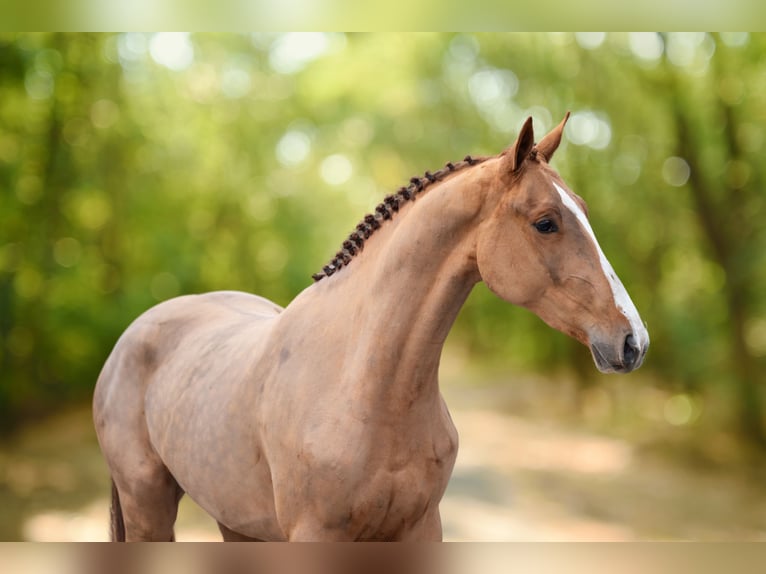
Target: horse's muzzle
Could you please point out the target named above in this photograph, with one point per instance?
(624, 357)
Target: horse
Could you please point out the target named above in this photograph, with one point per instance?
(323, 420)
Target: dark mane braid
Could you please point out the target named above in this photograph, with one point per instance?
(354, 243)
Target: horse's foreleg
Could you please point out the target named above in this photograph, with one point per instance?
(427, 529)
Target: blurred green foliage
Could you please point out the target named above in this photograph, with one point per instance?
(137, 167)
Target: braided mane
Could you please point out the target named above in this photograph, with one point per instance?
(384, 211)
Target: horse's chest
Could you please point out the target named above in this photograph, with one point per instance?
(402, 500)
(358, 478)
(382, 494)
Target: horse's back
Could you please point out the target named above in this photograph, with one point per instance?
(211, 308)
(164, 328)
(234, 301)
(176, 335)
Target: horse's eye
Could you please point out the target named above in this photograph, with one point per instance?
(546, 226)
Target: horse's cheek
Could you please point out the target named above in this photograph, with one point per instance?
(499, 259)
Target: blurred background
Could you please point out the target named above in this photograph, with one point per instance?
(137, 167)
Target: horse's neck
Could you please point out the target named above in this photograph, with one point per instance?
(403, 293)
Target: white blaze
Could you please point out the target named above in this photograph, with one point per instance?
(621, 298)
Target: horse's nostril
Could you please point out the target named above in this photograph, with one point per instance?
(630, 351)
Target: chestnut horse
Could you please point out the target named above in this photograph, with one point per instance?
(324, 420)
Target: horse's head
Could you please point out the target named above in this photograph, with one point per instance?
(538, 250)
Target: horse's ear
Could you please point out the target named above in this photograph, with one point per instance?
(521, 147)
(550, 143)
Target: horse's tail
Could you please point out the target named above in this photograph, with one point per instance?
(117, 524)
